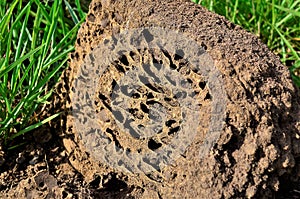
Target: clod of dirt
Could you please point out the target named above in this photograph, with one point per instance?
(42, 185)
(259, 142)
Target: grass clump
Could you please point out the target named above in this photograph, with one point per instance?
(35, 39)
(275, 22)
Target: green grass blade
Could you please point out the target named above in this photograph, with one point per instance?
(49, 76)
(291, 11)
(72, 13)
(5, 20)
(235, 10)
(43, 10)
(78, 5)
(19, 61)
(63, 41)
(58, 57)
(54, 19)
(34, 126)
(36, 25)
(287, 43)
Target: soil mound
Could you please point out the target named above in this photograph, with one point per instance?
(259, 138)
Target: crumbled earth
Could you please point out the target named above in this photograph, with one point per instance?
(256, 156)
(41, 169)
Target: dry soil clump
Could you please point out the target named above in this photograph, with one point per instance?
(259, 140)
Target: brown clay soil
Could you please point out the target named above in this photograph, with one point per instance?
(256, 156)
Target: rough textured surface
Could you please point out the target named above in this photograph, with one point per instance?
(257, 153)
(260, 140)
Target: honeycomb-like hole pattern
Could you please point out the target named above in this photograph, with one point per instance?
(145, 97)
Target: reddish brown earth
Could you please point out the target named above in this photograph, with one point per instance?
(256, 156)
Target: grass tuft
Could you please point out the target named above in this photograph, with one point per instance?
(35, 39)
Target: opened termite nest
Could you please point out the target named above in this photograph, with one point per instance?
(138, 109)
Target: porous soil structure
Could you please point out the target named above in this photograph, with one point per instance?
(191, 106)
(259, 138)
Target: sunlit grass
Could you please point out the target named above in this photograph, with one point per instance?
(35, 39)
